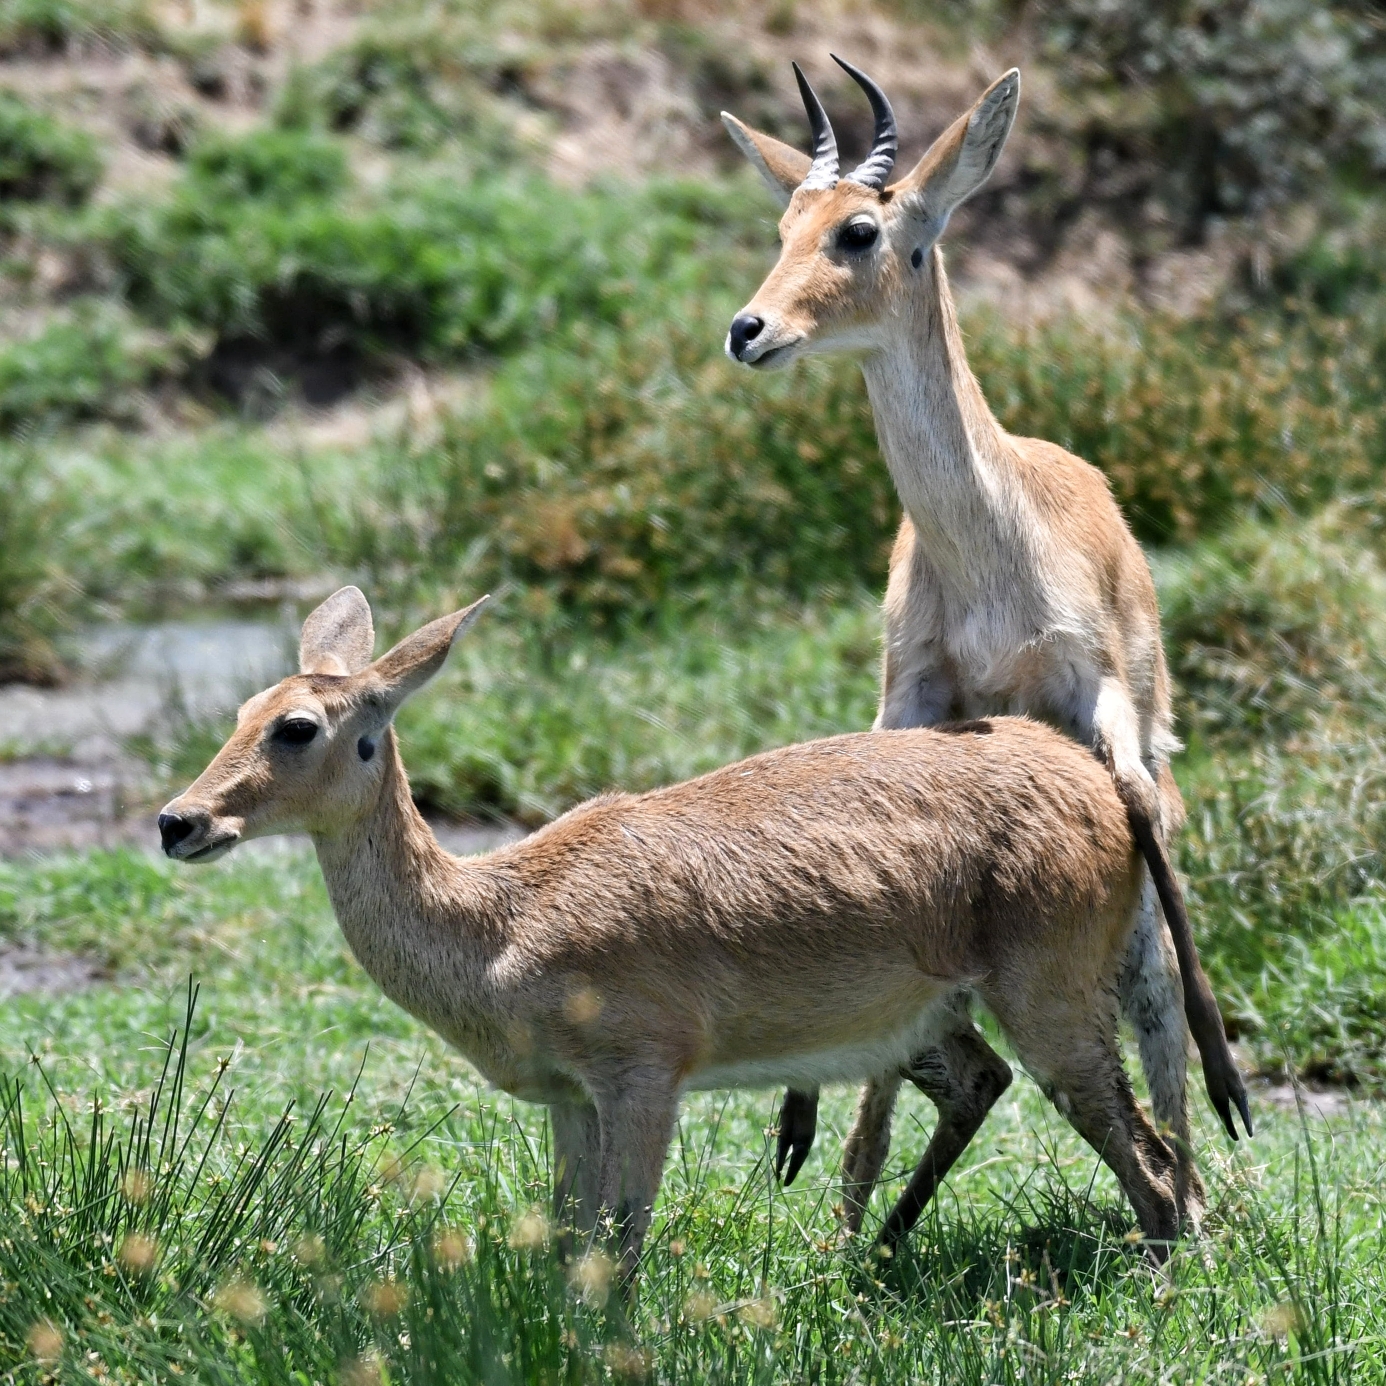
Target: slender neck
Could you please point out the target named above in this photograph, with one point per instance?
(952, 463)
(411, 912)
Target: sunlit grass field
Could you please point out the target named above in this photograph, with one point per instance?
(300, 1184)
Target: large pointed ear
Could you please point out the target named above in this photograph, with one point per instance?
(418, 657)
(962, 158)
(338, 638)
(781, 165)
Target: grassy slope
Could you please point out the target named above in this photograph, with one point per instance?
(1025, 1273)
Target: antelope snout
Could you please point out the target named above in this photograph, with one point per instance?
(762, 342)
(745, 328)
(173, 829)
(187, 833)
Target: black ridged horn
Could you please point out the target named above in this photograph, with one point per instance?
(873, 171)
(823, 171)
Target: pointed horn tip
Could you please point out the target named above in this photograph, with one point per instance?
(873, 171)
(823, 172)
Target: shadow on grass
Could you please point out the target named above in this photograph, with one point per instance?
(1043, 1247)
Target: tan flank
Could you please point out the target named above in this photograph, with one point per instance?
(1015, 584)
(814, 914)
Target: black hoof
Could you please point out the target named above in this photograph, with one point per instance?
(798, 1126)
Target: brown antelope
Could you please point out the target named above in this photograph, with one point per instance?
(813, 914)
(1015, 585)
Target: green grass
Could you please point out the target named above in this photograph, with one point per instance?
(164, 1218)
(35, 590)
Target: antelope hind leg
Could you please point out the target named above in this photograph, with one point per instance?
(1220, 1073)
(1073, 1054)
(1115, 735)
(576, 1166)
(1091, 1089)
(867, 1146)
(963, 1077)
(636, 1128)
(1152, 999)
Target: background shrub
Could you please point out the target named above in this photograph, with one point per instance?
(90, 362)
(1190, 112)
(37, 27)
(43, 159)
(35, 589)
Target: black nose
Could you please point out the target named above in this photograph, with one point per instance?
(173, 828)
(746, 327)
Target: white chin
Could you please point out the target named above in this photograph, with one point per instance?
(775, 358)
(209, 854)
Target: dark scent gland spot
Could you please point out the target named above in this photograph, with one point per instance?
(917, 258)
(365, 748)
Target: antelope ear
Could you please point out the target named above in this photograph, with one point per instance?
(781, 165)
(418, 657)
(338, 638)
(962, 158)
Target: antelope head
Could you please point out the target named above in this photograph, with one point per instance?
(851, 245)
(303, 755)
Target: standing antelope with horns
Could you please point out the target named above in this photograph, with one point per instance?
(1015, 585)
(807, 915)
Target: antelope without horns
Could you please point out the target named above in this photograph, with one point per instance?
(816, 913)
(1015, 584)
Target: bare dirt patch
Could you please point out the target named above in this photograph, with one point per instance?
(25, 970)
(70, 782)
(49, 804)
(1318, 1102)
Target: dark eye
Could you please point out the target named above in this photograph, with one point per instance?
(858, 235)
(297, 731)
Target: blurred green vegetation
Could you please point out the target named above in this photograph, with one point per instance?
(43, 159)
(1181, 116)
(37, 27)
